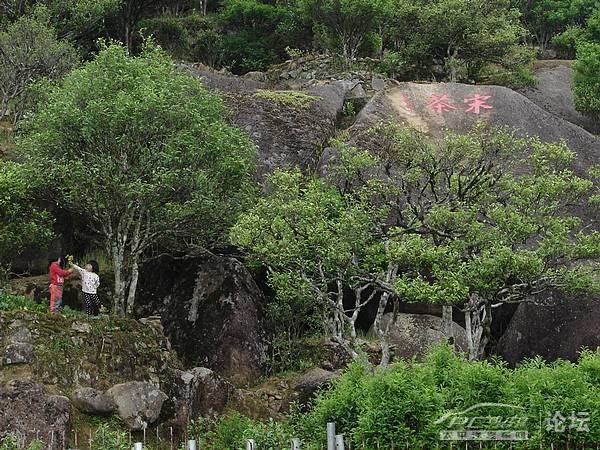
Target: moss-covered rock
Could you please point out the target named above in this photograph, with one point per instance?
(76, 351)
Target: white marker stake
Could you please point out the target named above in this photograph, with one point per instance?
(191, 444)
(250, 444)
(295, 444)
(339, 442)
(138, 446)
(331, 436)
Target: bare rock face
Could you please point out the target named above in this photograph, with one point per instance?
(28, 412)
(17, 345)
(554, 94)
(138, 403)
(199, 392)
(413, 334)
(287, 132)
(431, 108)
(92, 401)
(209, 308)
(558, 329)
(274, 397)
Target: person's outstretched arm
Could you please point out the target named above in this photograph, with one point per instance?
(62, 272)
(79, 269)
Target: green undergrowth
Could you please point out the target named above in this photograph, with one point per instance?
(401, 406)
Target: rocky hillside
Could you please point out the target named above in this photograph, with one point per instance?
(554, 94)
(62, 377)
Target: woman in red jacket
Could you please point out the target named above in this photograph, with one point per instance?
(57, 281)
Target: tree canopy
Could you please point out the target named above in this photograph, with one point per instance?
(144, 153)
(447, 222)
(22, 223)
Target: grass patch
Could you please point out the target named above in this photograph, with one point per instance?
(287, 98)
(519, 77)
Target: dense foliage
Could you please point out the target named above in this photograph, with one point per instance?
(447, 221)
(22, 224)
(400, 406)
(586, 80)
(143, 152)
(30, 51)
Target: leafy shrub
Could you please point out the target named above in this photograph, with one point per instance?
(169, 32)
(586, 79)
(256, 33)
(9, 443)
(566, 42)
(245, 52)
(512, 78)
(348, 110)
(232, 431)
(401, 404)
(14, 302)
(393, 64)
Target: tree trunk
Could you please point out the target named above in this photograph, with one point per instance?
(447, 323)
(119, 292)
(133, 286)
(379, 330)
(478, 321)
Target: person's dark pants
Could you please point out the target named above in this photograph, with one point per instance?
(91, 304)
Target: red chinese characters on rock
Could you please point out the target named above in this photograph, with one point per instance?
(476, 102)
(440, 103)
(407, 103)
(443, 103)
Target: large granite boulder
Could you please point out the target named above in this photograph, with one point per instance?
(554, 94)
(286, 131)
(139, 404)
(209, 307)
(198, 392)
(413, 334)
(94, 402)
(68, 353)
(558, 328)
(434, 107)
(28, 412)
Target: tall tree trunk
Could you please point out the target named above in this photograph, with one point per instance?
(478, 321)
(133, 285)
(447, 328)
(117, 252)
(380, 331)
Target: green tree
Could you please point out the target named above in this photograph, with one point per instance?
(30, 51)
(143, 152)
(344, 25)
(436, 221)
(313, 239)
(586, 79)
(256, 33)
(485, 223)
(77, 20)
(22, 224)
(466, 34)
(546, 18)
